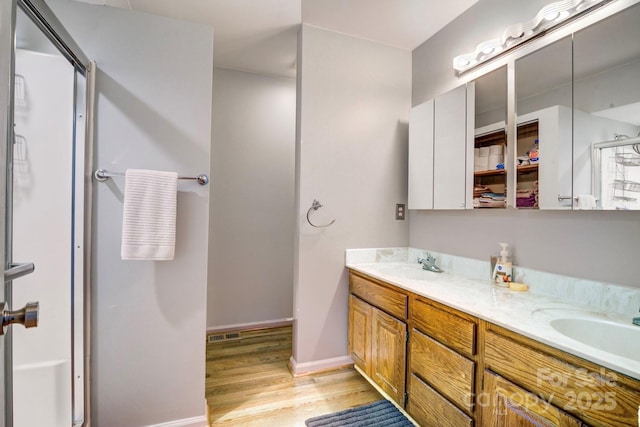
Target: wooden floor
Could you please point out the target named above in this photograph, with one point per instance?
(248, 384)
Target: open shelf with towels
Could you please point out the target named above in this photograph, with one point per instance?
(527, 177)
(489, 182)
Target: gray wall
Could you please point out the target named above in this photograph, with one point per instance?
(354, 101)
(594, 245)
(153, 111)
(252, 199)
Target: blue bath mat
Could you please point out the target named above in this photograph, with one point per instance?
(377, 414)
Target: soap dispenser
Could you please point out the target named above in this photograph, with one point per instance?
(503, 270)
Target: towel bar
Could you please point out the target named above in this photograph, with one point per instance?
(102, 175)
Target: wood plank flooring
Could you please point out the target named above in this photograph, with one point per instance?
(248, 384)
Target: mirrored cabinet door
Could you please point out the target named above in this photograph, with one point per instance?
(607, 113)
(544, 131)
(449, 146)
(490, 140)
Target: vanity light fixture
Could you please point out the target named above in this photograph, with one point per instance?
(548, 17)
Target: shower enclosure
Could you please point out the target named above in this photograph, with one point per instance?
(44, 134)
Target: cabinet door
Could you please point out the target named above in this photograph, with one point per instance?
(421, 156)
(551, 127)
(545, 98)
(506, 405)
(388, 353)
(450, 154)
(359, 345)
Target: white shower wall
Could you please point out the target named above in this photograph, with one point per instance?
(42, 224)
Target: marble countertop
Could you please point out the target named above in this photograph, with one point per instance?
(522, 312)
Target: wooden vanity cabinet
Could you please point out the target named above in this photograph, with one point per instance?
(378, 333)
(560, 381)
(462, 371)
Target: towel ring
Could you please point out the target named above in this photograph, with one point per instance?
(315, 206)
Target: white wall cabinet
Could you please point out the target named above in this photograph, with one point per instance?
(449, 146)
(421, 123)
(438, 138)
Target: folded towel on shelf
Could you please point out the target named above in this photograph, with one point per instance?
(479, 189)
(492, 196)
(524, 193)
(526, 203)
(149, 215)
(530, 201)
(489, 203)
(490, 200)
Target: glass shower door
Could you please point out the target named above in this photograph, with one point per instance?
(43, 227)
(42, 183)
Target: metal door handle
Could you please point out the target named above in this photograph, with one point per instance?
(27, 316)
(18, 270)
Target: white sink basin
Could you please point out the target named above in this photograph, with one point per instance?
(615, 338)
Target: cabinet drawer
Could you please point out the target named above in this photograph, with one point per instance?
(450, 329)
(444, 369)
(505, 404)
(598, 396)
(393, 302)
(428, 408)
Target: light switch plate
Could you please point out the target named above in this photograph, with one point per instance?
(400, 211)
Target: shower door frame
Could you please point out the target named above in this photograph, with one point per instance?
(7, 38)
(84, 73)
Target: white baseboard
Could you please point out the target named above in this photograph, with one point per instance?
(275, 323)
(186, 422)
(305, 368)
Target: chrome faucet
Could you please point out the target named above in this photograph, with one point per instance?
(636, 321)
(429, 263)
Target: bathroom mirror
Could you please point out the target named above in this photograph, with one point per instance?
(544, 127)
(490, 140)
(607, 113)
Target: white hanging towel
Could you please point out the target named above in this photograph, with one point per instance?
(149, 216)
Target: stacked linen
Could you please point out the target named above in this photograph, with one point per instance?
(478, 191)
(527, 198)
(491, 200)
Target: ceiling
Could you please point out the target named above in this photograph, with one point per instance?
(260, 35)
